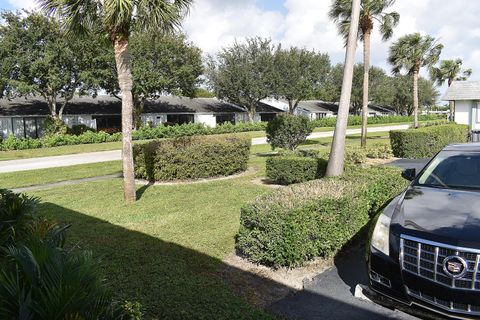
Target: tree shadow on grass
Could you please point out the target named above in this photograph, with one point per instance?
(174, 282)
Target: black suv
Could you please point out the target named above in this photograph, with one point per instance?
(425, 246)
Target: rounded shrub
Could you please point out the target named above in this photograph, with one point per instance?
(288, 131)
(190, 158)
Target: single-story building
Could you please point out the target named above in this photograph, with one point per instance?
(24, 117)
(317, 109)
(466, 98)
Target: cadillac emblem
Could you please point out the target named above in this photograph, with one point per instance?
(455, 267)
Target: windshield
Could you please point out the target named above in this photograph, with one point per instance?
(452, 169)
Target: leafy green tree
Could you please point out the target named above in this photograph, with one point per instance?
(371, 10)
(402, 101)
(412, 52)
(299, 74)
(162, 63)
(450, 70)
(37, 59)
(203, 93)
(117, 19)
(243, 73)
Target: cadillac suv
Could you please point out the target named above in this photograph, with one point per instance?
(424, 248)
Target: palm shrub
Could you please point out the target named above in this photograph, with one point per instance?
(288, 131)
(39, 279)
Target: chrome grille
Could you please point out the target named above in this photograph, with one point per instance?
(425, 259)
(452, 306)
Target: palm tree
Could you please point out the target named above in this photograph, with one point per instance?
(116, 19)
(337, 155)
(412, 52)
(371, 11)
(450, 70)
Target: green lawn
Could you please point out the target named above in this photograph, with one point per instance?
(166, 250)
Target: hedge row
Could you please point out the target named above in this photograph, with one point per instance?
(357, 120)
(426, 142)
(191, 158)
(292, 169)
(314, 219)
(184, 130)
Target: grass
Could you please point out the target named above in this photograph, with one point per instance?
(44, 176)
(83, 148)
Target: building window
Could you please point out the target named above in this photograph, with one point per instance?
(180, 118)
(225, 118)
(267, 117)
(321, 115)
(30, 127)
(110, 124)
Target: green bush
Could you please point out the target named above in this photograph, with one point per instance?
(291, 169)
(191, 158)
(379, 152)
(54, 126)
(290, 226)
(426, 142)
(288, 131)
(357, 120)
(79, 129)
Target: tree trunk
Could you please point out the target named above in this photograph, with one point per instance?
(415, 98)
(366, 79)
(125, 81)
(337, 155)
(252, 110)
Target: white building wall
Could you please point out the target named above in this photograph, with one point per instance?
(463, 110)
(155, 119)
(207, 119)
(80, 119)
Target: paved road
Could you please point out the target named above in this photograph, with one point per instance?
(104, 156)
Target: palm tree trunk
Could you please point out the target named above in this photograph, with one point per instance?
(125, 81)
(366, 70)
(336, 162)
(415, 98)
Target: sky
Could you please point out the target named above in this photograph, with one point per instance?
(213, 24)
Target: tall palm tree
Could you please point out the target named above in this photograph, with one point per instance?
(412, 52)
(116, 19)
(450, 70)
(336, 162)
(371, 11)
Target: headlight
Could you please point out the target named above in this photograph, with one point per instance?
(381, 234)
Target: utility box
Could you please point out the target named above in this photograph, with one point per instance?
(475, 136)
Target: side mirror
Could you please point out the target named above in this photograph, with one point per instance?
(409, 174)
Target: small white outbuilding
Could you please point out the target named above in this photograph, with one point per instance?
(466, 97)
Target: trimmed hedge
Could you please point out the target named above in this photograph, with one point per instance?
(292, 169)
(191, 158)
(357, 120)
(290, 226)
(426, 142)
(288, 131)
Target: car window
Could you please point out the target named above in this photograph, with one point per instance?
(452, 169)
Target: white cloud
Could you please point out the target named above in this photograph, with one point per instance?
(23, 4)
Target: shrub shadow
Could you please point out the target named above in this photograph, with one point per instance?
(175, 282)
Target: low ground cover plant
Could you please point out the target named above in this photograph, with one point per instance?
(190, 158)
(427, 141)
(39, 278)
(292, 225)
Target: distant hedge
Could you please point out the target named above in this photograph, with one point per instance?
(288, 227)
(426, 142)
(291, 169)
(191, 158)
(185, 130)
(357, 120)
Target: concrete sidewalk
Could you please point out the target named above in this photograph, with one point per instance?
(104, 156)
